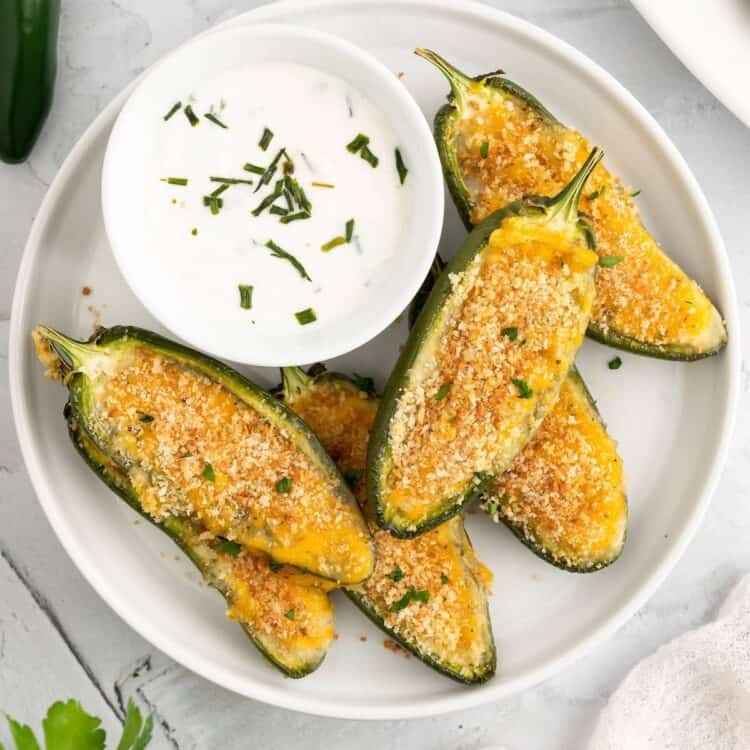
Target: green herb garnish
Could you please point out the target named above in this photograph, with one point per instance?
(357, 143)
(192, 117)
(186, 454)
(254, 168)
(219, 190)
(443, 391)
(412, 595)
(364, 383)
(306, 316)
(396, 574)
(246, 296)
(275, 566)
(290, 615)
(208, 472)
(194, 231)
(265, 139)
(614, 364)
(635, 193)
(349, 232)
(228, 546)
(596, 193)
(484, 149)
(610, 260)
(299, 216)
(352, 476)
(444, 579)
(145, 418)
(368, 156)
(214, 203)
(270, 170)
(510, 332)
(175, 181)
(215, 120)
(401, 167)
(231, 180)
(284, 485)
(279, 252)
(175, 107)
(268, 200)
(523, 389)
(492, 507)
(278, 210)
(335, 242)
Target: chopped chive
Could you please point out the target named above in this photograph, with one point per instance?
(279, 252)
(610, 260)
(265, 139)
(288, 199)
(175, 107)
(364, 383)
(322, 184)
(368, 156)
(215, 120)
(194, 231)
(211, 200)
(145, 418)
(268, 200)
(208, 472)
(306, 316)
(219, 190)
(396, 574)
(270, 170)
(289, 218)
(349, 233)
(510, 332)
(278, 210)
(412, 595)
(352, 476)
(335, 242)
(192, 117)
(523, 388)
(484, 149)
(614, 364)
(231, 180)
(284, 485)
(290, 614)
(401, 167)
(275, 566)
(228, 546)
(254, 168)
(293, 187)
(186, 454)
(175, 181)
(357, 143)
(492, 507)
(443, 391)
(596, 193)
(635, 193)
(444, 579)
(246, 296)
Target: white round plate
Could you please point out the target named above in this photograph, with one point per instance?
(672, 421)
(712, 39)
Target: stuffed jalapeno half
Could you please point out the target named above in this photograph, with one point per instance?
(427, 593)
(289, 619)
(564, 496)
(498, 143)
(484, 361)
(199, 441)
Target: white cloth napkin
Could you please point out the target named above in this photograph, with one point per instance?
(692, 694)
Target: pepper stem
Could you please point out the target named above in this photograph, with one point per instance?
(295, 382)
(458, 80)
(565, 204)
(72, 355)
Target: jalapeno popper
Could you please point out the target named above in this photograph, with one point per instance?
(564, 496)
(498, 143)
(287, 615)
(427, 593)
(199, 441)
(485, 360)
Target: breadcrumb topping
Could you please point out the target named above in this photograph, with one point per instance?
(565, 493)
(429, 590)
(191, 448)
(645, 296)
(475, 395)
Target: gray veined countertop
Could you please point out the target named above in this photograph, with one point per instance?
(58, 639)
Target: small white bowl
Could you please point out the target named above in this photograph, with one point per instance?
(128, 174)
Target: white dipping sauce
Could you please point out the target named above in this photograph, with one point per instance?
(313, 115)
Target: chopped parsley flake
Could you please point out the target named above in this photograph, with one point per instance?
(291, 614)
(275, 566)
(228, 546)
(523, 389)
(208, 472)
(412, 595)
(443, 391)
(396, 574)
(614, 364)
(484, 149)
(284, 485)
(511, 332)
(609, 260)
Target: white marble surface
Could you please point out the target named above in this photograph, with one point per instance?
(58, 639)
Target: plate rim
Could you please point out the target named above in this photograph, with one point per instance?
(462, 699)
